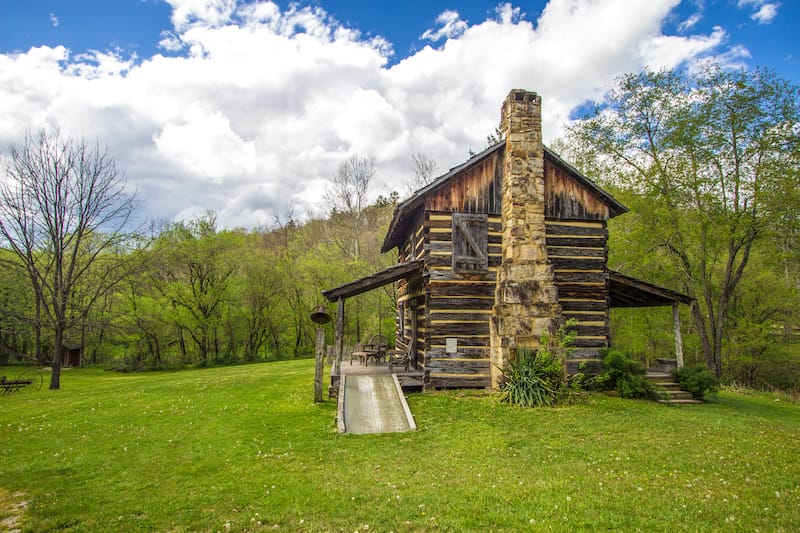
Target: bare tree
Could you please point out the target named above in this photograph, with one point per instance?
(64, 211)
(347, 195)
(348, 191)
(423, 172)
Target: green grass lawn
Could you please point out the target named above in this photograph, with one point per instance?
(245, 449)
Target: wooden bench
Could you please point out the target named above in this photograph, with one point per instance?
(398, 358)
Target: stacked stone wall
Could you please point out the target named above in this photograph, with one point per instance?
(526, 298)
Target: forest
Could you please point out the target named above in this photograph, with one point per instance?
(708, 163)
(191, 293)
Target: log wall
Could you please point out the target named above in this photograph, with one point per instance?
(578, 251)
(458, 307)
(411, 298)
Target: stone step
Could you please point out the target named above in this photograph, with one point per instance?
(673, 401)
(660, 377)
(676, 394)
(669, 389)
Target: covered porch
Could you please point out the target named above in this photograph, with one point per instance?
(345, 363)
(628, 292)
(410, 379)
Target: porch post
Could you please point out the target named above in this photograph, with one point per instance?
(676, 322)
(339, 339)
(412, 345)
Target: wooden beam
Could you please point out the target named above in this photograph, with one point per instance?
(379, 279)
(631, 292)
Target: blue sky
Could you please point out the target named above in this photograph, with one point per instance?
(136, 25)
(247, 108)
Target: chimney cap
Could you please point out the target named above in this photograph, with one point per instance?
(522, 95)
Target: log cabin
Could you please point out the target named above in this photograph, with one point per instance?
(497, 251)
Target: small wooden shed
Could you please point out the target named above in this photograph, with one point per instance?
(497, 251)
(71, 356)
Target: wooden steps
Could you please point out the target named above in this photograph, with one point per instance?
(411, 381)
(669, 390)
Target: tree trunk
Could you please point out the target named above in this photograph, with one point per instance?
(182, 344)
(55, 376)
(37, 328)
(702, 331)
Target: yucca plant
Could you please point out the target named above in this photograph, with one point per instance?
(537, 377)
(532, 378)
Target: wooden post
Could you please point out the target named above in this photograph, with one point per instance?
(676, 323)
(412, 346)
(320, 352)
(339, 340)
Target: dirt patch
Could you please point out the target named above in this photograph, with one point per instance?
(12, 507)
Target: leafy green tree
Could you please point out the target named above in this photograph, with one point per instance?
(143, 319)
(259, 291)
(709, 154)
(20, 331)
(192, 271)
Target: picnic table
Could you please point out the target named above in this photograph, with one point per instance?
(376, 348)
(374, 352)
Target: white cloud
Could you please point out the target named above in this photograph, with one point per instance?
(54, 20)
(170, 42)
(203, 145)
(451, 27)
(254, 107)
(207, 12)
(690, 23)
(670, 51)
(764, 11)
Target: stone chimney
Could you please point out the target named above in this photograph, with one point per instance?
(526, 298)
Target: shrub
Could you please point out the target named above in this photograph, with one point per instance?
(531, 379)
(538, 377)
(625, 376)
(698, 380)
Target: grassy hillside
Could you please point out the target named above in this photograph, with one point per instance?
(245, 449)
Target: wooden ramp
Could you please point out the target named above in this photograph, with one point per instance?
(373, 404)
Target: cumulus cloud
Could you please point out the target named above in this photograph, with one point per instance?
(250, 108)
(208, 12)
